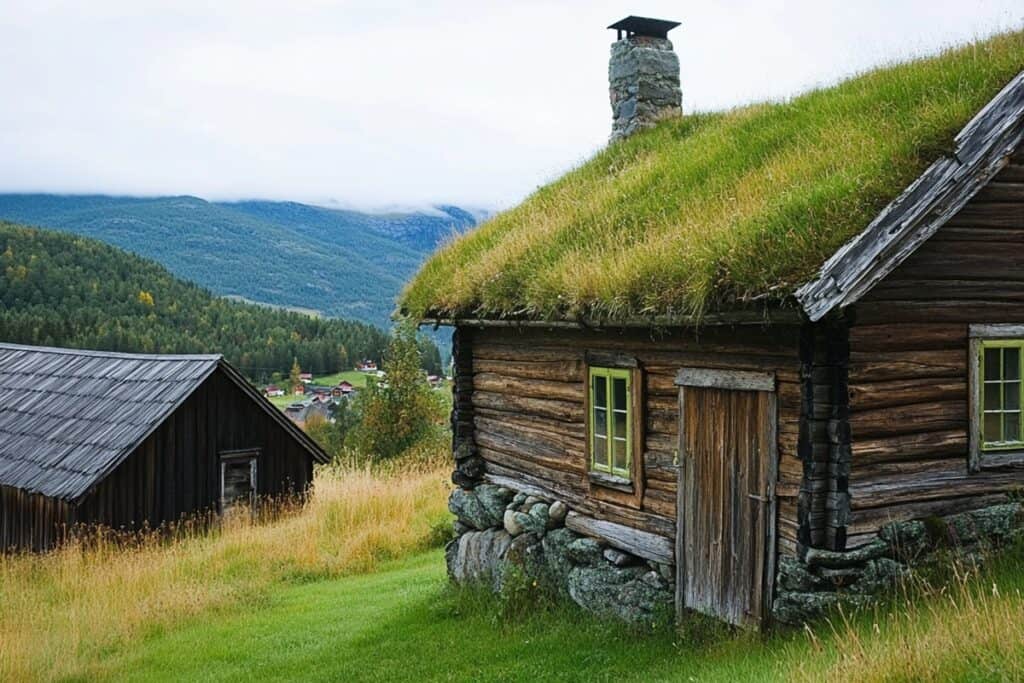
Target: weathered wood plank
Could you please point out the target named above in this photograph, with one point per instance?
(528, 388)
(901, 392)
(562, 371)
(565, 411)
(726, 379)
(641, 543)
(909, 447)
(910, 364)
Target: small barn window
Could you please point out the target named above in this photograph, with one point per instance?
(996, 395)
(237, 478)
(611, 421)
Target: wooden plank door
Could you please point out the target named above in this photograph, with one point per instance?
(726, 525)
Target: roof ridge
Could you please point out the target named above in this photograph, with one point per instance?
(112, 354)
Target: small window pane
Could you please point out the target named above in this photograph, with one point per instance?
(600, 452)
(619, 424)
(1011, 426)
(619, 452)
(993, 431)
(1011, 363)
(600, 422)
(992, 364)
(600, 391)
(992, 396)
(619, 393)
(1011, 396)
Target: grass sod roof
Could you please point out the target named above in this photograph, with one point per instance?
(716, 211)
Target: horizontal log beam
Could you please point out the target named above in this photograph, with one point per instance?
(640, 543)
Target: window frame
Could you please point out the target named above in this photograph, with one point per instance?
(610, 437)
(250, 455)
(622, 486)
(982, 454)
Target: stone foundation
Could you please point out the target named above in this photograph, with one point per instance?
(500, 531)
(824, 578)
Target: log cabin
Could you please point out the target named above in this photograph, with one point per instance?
(132, 441)
(745, 347)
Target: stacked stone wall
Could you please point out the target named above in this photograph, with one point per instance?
(501, 531)
(643, 78)
(825, 578)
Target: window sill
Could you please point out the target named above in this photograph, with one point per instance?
(1001, 460)
(611, 481)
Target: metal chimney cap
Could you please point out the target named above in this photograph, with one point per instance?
(644, 26)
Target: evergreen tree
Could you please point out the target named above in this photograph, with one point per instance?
(61, 290)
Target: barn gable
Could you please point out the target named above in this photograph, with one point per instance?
(68, 417)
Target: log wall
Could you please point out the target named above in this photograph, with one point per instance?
(908, 392)
(528, 411)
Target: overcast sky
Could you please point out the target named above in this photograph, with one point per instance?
(393, 101)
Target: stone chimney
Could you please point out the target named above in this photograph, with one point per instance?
(643, 75)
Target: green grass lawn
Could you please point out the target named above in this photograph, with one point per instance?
(405, 623)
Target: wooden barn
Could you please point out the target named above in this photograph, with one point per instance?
(734, 368)
(127, 440)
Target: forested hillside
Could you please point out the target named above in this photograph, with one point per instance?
(339, 263)
(63, 290)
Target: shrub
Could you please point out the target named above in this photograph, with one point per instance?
(394, 416)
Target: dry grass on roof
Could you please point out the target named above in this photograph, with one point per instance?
(713, 210)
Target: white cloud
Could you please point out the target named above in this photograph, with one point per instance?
(391, 102)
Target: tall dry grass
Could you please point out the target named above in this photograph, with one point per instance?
(971, 628)
(59, 610)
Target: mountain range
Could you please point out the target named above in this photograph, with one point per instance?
(335, 262)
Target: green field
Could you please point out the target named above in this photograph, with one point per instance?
(405, 623)
(348, 589)
(354, 377)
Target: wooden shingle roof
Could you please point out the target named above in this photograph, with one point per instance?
(68, 417)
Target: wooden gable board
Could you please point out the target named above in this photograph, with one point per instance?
(981, 150)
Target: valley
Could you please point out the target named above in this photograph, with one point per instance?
(334, 262)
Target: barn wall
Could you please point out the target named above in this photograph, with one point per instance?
(29, 521)
(176, 470)
(527, 410)
(908, 364)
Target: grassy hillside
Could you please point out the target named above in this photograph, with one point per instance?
(340, 263)
(60, 290)
(345, 590)
(715, 210)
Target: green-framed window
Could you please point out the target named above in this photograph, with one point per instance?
(611, 421)
(1001, 394)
